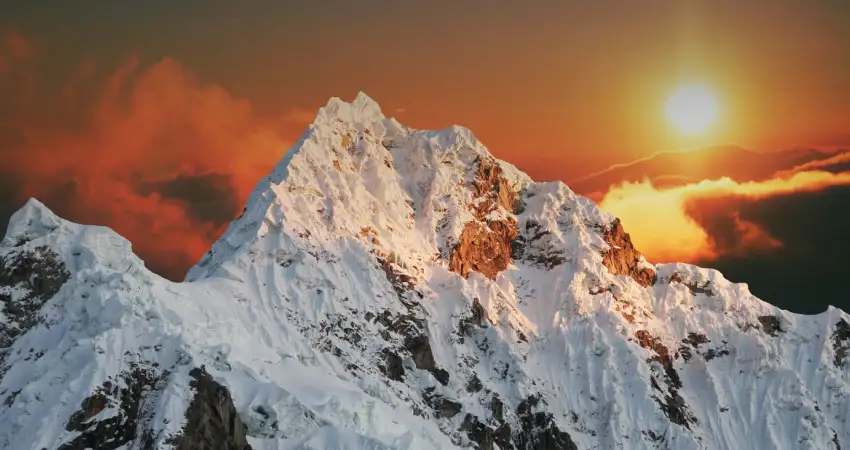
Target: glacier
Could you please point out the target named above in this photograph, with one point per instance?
(394, 288)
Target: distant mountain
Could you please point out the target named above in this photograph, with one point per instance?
(682, 167)
(390, 288)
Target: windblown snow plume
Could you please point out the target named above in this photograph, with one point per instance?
(392, 288)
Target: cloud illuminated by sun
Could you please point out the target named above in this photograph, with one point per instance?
(662, 228)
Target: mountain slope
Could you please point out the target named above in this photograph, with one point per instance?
(391, 288)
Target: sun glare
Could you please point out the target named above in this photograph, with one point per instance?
(692, 108)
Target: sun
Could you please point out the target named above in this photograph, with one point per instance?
(692, 108)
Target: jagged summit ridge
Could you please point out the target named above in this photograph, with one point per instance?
(362, 109)
(393, 288)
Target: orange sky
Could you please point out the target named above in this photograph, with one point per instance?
(556, 81)
(158, 119)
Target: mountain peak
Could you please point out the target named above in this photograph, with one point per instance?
(364, 102)
(33, 220)
(361, 110)
(355, 170)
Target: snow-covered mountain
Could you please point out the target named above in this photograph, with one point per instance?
(391, 288)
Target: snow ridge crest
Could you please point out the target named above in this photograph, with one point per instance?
(362, 109)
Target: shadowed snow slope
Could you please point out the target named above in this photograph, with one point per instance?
(391, 288)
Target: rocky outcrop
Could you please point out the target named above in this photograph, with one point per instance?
(115, 414)
(538, 430)
(771, 325)
(695, 287)
(476, 319)
(622, 258)
(693, 340)
(485, 244)
(119, 413)
(484, 437)
(407, 331)
(841, 343)
(401, 281)
(489, 184)
(484, 248)
(534, 246)
(38, 273)
(670, 402)
(212, 422)
(535, 428)
(442, 406)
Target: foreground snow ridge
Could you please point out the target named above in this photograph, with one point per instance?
(392, 288)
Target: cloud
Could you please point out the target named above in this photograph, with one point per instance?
(81, 74)
(14, 48)
(683, 167)
(161, 158)
(18, 46)
(835, 163)
(16, 56)
(206, 197)
(729, 234)
(700, 221)
(808, 273)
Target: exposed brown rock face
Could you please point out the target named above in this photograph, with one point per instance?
(623, 257)
(485, 245)
(483, 249)
(771, 325)
(490, 184)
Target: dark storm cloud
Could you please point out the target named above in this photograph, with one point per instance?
(207, 197)
(8, 200)
(809, 271)
(838, 167)
(717, 216)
